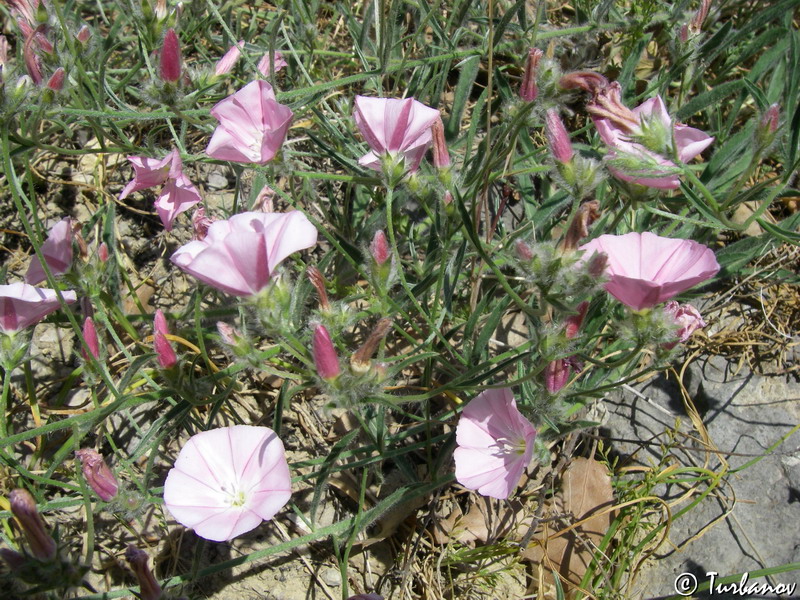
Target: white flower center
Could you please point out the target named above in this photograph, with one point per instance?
(506, 446)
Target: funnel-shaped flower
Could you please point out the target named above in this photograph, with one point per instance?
(495, 444)
(22, 305)
(239, 255)
(252, 125)
(645, 269)
(641, 140)
(57, 252)
(393, 126)
(226, 481)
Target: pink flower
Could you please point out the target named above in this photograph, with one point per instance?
(178, 194)
(641, 140)
(165, 353)
(97, 474)
(226, 481)
(240, 254)
(170, 60)
(22, 305)
(687, 318)
(645, 269)
(252, 125)
(264, 65)
(325, 358)
(393, 126)
(57, 252)
(228, 60)
(495, 444)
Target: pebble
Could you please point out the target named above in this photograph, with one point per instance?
(331, 577)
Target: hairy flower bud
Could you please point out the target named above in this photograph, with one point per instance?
(379, 248)
(97, 474)
(102, 252)
(318, 281)
(56, 81)
(170, 62)
(42, 545)
(165, 354)
(528, 90)
(90, 336)
(441, 157)
(325, 358)
(84, 34)
(557, 137)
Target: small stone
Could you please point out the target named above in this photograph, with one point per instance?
(331, 577)
(217, 181)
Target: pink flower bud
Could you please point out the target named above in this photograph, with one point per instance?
(524, 251)
(228, 333)
(56, 81)
(42, 546)
(102, 252)
(325, 358)
(164, 352)
(161, 10)
(83, 35)
(558, 138)
(148, 586)
(171, 57)
(90, 336)
(379, 248)
(683, 33)
(556, 375)
(528, 90)
(441, 157)
(686, 317)
(97, 474)
(572, 323)
(771, 119)
(228, 60)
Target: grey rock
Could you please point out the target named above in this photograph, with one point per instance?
(757, 508)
